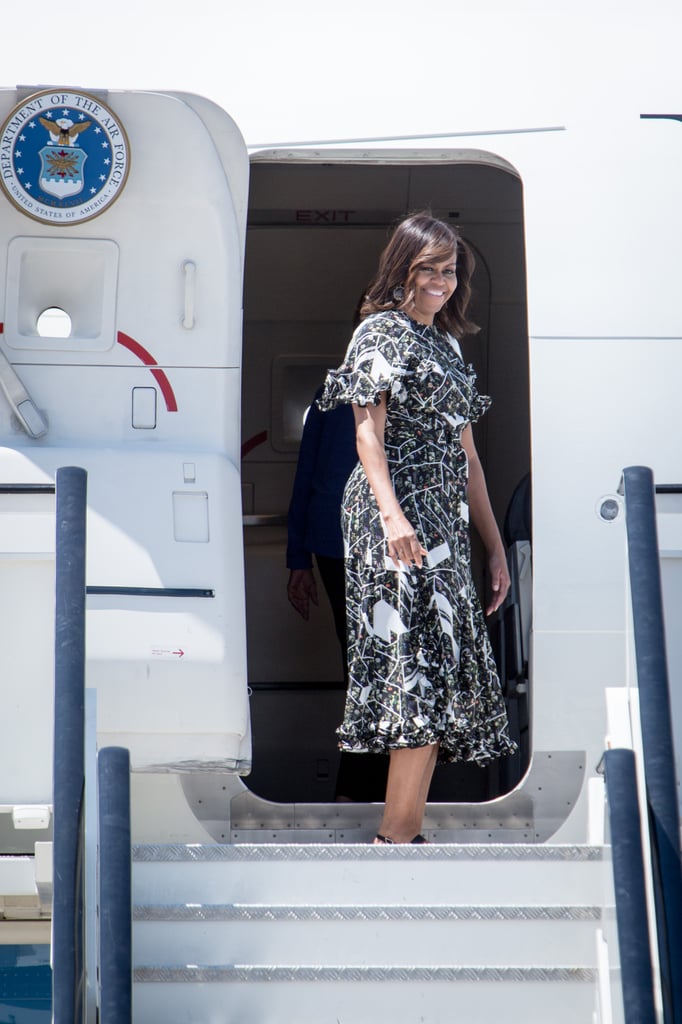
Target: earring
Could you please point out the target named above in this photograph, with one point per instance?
(398, 294)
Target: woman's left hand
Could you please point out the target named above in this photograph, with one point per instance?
(499, 581)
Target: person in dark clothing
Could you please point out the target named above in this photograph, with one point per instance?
(327, 456)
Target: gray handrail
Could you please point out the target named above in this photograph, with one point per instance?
(636, 969)
(115, 895)
(69, 746)
(656, 726)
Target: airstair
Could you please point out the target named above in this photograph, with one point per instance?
(291, 930)
(288, 929)
(325, 934)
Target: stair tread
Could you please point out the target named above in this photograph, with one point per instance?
(393, 912)
(179, 852)
(207, 973)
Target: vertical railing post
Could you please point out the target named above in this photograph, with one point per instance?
(632, 920)
(69, 742)
(656, 727)
(115, 895)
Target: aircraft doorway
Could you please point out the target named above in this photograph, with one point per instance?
(316, 224)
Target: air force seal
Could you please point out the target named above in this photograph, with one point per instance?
(64, 157)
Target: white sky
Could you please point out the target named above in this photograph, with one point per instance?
(302, 70)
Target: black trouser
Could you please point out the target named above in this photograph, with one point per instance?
(361, 777)
(333, 578)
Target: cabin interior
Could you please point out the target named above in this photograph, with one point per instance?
(316, 225)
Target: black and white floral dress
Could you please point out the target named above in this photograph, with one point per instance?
(421, 669)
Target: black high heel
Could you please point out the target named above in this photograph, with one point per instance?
(418, 840)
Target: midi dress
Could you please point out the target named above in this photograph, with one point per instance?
(420, 665)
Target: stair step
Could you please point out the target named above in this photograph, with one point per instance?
(388, 935)
(364, 995)
(356, 874)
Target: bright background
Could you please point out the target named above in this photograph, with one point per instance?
(305, 70)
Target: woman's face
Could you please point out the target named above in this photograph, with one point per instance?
(434, 282)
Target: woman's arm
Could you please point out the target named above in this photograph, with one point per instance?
(484, 521)
(370, 421)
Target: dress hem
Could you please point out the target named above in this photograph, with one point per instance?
(446, 754)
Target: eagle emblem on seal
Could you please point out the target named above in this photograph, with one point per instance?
(66, 131)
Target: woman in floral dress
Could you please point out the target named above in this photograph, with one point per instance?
(422, 680)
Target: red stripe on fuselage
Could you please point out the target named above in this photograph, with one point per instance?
(148, 359)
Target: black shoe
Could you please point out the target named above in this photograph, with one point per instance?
(418, 839)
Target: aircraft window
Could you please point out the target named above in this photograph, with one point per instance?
(54, 323)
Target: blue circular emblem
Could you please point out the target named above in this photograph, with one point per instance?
(64, 156)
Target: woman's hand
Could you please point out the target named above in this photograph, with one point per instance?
(499, 580)
(403, 543)
(301, 590)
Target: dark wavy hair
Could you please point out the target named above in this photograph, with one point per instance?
(419, 239)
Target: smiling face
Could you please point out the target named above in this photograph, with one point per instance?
(434, 281)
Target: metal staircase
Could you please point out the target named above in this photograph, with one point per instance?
(337, 934)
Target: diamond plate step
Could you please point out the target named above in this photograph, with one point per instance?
(356, 874)
(353, 995)
(357, 936)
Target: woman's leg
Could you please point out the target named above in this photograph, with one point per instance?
(409, 778)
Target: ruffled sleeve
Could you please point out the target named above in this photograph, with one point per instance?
(467, 404)
(376, 361)
(479, 404)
